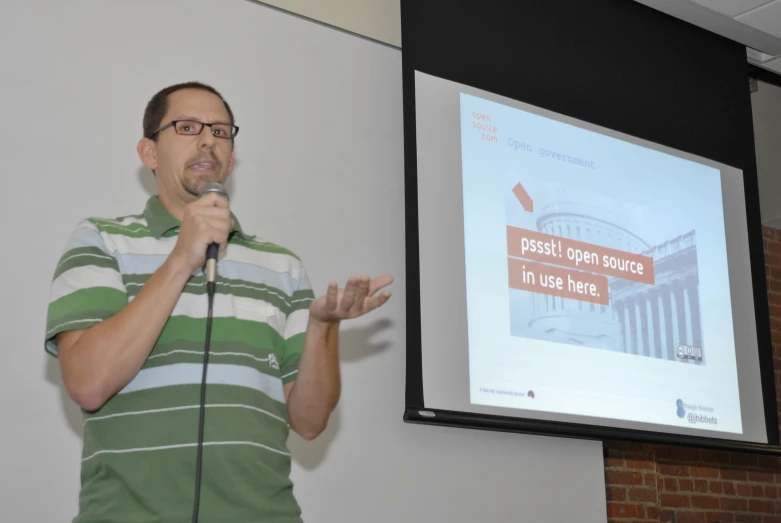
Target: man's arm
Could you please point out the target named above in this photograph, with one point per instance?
(99, 361)
(314, 394)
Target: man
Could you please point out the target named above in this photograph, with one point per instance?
(127, 320)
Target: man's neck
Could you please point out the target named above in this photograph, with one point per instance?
(175, 205)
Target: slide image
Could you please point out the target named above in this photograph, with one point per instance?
(583, 272)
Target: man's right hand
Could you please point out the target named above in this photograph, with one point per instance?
(204, 221)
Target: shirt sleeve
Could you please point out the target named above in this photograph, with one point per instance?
(295, 325)
(87, 285)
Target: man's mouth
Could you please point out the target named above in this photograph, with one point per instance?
(204, 166)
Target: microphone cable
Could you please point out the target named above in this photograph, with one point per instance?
(212, 253)
(210, 288)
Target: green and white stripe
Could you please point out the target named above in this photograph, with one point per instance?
(149, 428)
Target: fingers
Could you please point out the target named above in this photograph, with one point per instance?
(212, 229)
(361, 291)
(212, 200)
(376, 301)
(380, 282)
(355, 294)
(348, 297)
(331, 297)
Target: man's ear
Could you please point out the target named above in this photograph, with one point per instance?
(147, 152)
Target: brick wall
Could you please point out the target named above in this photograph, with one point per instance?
(660, 484)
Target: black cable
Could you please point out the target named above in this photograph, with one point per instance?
(210, 286)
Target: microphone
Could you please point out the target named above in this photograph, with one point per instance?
(213, 249)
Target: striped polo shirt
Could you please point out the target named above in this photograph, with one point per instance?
(139, 451)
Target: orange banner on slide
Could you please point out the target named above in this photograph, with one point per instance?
(557, 281)
(533, 245)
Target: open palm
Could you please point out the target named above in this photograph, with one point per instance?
(356, 299)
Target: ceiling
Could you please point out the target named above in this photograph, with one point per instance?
(754, 23)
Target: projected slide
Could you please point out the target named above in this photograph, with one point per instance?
(596, 274)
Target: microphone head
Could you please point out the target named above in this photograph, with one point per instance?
(214, 187)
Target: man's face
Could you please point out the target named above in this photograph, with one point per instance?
(186, 163)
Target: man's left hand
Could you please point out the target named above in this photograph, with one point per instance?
(356, 299)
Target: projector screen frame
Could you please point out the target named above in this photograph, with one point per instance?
(416, 410)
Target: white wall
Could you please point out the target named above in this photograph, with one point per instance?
(321, 141)
(377, 19)
(766, 110)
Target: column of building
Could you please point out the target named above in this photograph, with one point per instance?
(653, 323)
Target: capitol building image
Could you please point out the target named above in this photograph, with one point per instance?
(642, 319)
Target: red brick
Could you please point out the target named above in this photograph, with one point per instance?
(771, 519)
(717, 457)
(734, 504)
(675, 500)
(616, 493)
(652, 511)
(704, 472)
(621, 477)
(666, 515)
(667, 469)
(640, 464)
(705, 502)
(701, 485)
(772, 273)
(759, 476)
(721, 517)
(769, 233)
(612, 462)
(670, 484)
(642, 494)
(650, 480)
(686, 485)
(757, 491)
(736, 475)
(761, 506)
(772, 492)
(715, 487)
(744, 490)
(748, 518)
(729, 488)
(690, 517)
(772, 259)
(624, 510)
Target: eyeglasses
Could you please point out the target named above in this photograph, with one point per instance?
(191, 127)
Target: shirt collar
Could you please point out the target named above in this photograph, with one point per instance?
(162, 223)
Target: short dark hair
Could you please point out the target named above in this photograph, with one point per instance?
(158, 106)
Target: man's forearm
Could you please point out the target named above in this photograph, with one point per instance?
(318, 383)
(97, 362)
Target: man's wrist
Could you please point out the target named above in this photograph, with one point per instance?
(176, 267)
(322, 327)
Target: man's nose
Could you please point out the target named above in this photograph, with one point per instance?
(206, 139)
